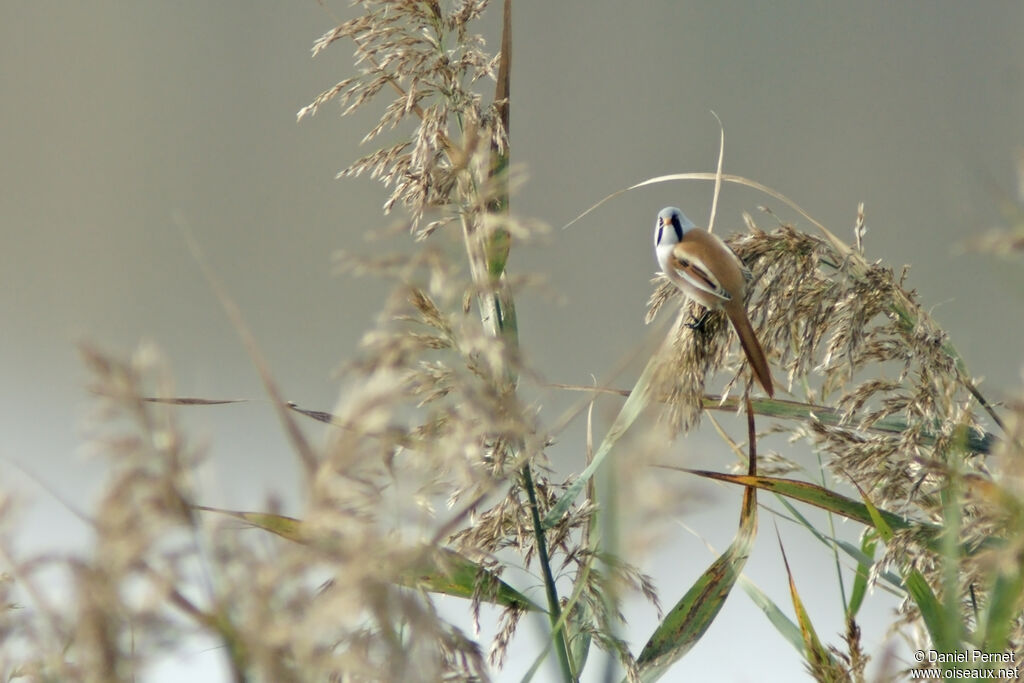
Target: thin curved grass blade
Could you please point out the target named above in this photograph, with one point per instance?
(864, 561)
(783, 624)
(638, 399)
(436, 570)
(535, 667)
(718, 173)
(868, 544)
(718, 178)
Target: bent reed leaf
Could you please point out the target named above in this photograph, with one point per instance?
(813, 494)
(687, 622)
(690, 618)
(436, 570)
(638, 399)
(819, 660)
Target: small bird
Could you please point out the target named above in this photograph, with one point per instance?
(707, 271)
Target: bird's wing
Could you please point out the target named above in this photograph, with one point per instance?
(689, 266)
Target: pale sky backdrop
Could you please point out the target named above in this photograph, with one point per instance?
(124, 120)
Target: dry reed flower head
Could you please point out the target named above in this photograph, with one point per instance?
(427, 53)
(323, 609)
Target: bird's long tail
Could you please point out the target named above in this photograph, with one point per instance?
(752, 347)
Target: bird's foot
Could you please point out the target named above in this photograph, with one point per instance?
(697, 324)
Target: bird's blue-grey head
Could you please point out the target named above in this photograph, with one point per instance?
(670, 227)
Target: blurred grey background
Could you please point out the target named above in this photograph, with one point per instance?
(124, 121)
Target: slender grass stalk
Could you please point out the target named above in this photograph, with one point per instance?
(550, 590)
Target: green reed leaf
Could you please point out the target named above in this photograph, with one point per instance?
(690, 618)
(436, 570)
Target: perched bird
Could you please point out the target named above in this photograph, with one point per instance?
(707, 271)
